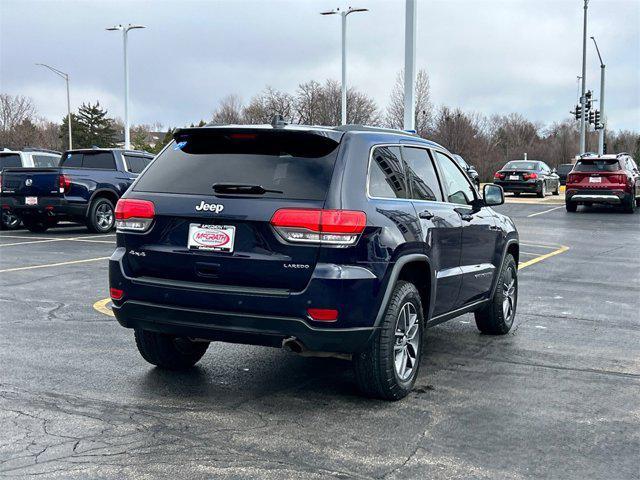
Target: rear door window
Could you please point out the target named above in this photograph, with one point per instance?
(288, 164)
(386, 174)
(99, 160)
(8, 160)
(421, 174)
(611, 165)
(135, 163)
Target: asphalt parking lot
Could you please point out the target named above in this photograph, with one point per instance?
(556, 398)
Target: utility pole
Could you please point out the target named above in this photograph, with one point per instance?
(343, 96)
(602, 124)
(410, 65)
(583, 100)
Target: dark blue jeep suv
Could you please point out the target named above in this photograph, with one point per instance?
(346, 241)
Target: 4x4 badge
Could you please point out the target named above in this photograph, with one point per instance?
(209, 207)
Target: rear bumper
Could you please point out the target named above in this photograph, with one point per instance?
(235, 327)
(614, 197)
(519, 187)
(47, 206)
(253, 316)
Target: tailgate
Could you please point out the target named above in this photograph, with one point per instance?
(37, 182)
(222, 236)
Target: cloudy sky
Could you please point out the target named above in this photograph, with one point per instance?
(490, 56)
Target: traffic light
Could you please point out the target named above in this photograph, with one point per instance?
(592, 117)
(577, 112)
(597, 123)
(587, 103)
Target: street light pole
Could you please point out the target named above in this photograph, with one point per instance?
(66, 79)
(125, 31)
(583, 99)
(343, 14)
(409, 65)
(603, 120)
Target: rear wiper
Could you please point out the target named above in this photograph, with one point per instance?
(245, 188)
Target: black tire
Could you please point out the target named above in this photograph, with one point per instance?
(168, 351)
(9, 221)
(571, 206)
(100, 209)
(629, 204)
(543, 190)
(375, 368)
(37, 225)
(495, 318)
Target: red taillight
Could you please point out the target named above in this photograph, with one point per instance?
(499, 176)
(116, 293)
(64, 183)
(243, 136)
(333, 227)
(323, 314)
(530, 176)
(133, 214)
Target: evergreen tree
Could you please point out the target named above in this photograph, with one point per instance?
(91, 127)
(64, 131)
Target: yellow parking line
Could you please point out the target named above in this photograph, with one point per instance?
(560, 250)
(59, 264)
(101, 306)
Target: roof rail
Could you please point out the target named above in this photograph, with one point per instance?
(622, 153)
(36, 149)
(366, 128)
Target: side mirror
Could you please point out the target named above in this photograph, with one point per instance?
(493, 195)
(553, 170)
(471, 167)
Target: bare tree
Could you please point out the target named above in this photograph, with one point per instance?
(229, 110)
(14, 110)
(268, 103)
(394, 117)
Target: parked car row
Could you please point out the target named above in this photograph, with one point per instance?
(84, 188)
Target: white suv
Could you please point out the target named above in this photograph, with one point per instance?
(29, 158)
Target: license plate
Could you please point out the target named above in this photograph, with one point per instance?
(218, 238)
(595, 179)
(514, 177)
(31, 200)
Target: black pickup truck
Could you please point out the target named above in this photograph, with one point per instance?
(84, 188)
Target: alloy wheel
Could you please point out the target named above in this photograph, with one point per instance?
(104, 216)
(509, 295)
(407, 341)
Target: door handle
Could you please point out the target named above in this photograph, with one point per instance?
(495, 228)
(426, 214)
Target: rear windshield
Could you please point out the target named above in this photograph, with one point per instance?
(565, 168)
(8, 160)
(297, 164)
(521, 166)
(597, 166)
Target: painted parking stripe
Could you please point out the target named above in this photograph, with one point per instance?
(560, 250)
(81, 239)
(102, 306)
(30, 241)
(544, 211)
(551, 247)
(59, 264)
